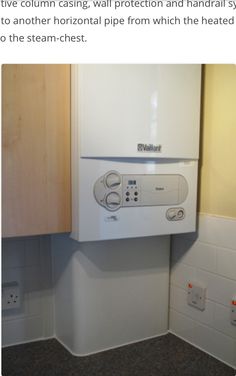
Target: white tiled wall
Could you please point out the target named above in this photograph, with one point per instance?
(28, 261)
(207, 257)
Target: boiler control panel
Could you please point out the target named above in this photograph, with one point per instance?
(114, 190)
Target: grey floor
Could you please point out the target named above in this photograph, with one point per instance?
(163, 356)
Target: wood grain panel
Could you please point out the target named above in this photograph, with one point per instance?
(36, 196)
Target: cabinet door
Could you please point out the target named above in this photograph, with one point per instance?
(36, 149)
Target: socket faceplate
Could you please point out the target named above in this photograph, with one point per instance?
(196, 296)
(11, 295)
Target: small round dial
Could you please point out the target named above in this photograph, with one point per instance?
(113, 180)
(113, 201)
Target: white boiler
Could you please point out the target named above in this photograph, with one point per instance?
(135, 141)
(135, 136)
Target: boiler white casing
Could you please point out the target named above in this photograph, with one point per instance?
(117, 290)
(136, 120)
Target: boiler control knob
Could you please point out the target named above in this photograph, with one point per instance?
(180, 214)
(175, 214)
(113, 180)
(113, 201)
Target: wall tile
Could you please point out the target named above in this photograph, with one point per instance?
(207, 257)
(219, 289)
(34, 299)
(208, 339)
(216, 343)
(221, 320)
(13, 253)
(197, 254)
(217, 230)
(234, 353)
(226, 263)
(181, 274)
(28, 277)
(21, 330)
(183, 326)
(32, 252)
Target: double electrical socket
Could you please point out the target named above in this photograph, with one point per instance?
(11, 296)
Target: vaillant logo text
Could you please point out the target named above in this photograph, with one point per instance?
(149, 148)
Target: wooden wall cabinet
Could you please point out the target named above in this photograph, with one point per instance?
(36, 191)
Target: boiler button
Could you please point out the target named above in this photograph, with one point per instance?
(113, 180)
(135, 199)
(175, 214)
(171, 214)
(127, 199)
(180, 214)
(136, 193)
(127, 193)
(113, 201)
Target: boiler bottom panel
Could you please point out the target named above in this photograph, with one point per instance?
(117, 291)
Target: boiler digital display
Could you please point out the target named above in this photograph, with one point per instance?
(131, 182)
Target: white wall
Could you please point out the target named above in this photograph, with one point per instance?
(110, 293)
(208, 257)
(28, 261)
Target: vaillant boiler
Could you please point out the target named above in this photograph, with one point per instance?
(135, 137)
(135, 141)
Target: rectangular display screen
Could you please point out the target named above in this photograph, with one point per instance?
(131, 182)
